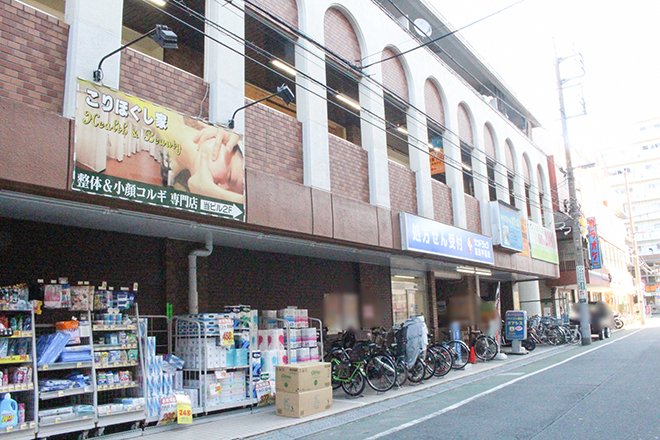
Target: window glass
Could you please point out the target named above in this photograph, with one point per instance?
(408, 297)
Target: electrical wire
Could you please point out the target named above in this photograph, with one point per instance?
(457, 165)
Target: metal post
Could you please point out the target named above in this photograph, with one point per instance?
(638, 274)
(574, 213)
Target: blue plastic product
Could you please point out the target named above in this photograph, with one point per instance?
(8, 412)
(50, 346)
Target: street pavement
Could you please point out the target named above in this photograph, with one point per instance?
(607, 390)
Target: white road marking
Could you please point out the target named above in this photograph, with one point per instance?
(485, 393)
(511, 374)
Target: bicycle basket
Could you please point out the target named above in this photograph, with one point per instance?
(359, 352)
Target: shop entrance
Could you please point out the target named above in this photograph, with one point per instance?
(409, 296)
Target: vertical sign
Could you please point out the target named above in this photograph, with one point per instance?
(515, 325)
(594, 249)
(581, 283)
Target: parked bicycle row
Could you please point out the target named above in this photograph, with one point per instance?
(391, 357)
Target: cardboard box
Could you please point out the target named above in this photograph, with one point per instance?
(306, 376)
(303, 404)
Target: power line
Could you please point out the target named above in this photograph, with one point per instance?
(457, 166)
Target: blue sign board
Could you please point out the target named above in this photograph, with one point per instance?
(505, 224)
(424, 235)
(594, 249)
(515, 325)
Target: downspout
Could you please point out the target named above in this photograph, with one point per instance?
(193, 296)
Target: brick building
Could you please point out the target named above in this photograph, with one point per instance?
(375, 132)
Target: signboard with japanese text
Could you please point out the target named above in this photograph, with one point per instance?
(505, 225)
(515, 325)
(543, 243)
(424, 235)
(131, 149)
(525, 238)
(581, 281)
(594, 248)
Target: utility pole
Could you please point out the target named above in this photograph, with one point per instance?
(638, 273)
(574, 213)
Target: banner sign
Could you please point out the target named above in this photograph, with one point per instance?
(505, 225)
(543, 243)
(515, 325)
(525, 238)
(131, 149)
(594, 248)
(424, 235)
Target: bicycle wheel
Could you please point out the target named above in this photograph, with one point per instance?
(355, 385)
(460, 354)
(401, 372)
(575, 337)
(555, 337)
(485, 348)
(528, 344)
(431, 365)
(380, 372)
(417, 371)
(443, 360)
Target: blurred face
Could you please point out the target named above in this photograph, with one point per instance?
(227, 170)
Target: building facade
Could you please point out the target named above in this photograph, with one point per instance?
(404, 177)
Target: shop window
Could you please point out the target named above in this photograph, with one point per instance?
(52, 7)
(492, 188)
(512, 188)
(140, 17)
(466, 162)
(528, 202)
(408, 297)
(397, 132)
(437, 152)
(343, 106)
(542, 210)
(266, 43)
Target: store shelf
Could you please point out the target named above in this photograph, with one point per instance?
(118, 386)
(115, 365)
(242, 367)
(19, 334)
(65, 366)
(80, 423)
(108, 347)
(6, 307)
(15, 388)
(22, 431)
(65, 393)
(110, 328)
(22, 359)
(228, 405)
(126, 416)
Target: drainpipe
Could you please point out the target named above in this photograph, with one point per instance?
(193, 297)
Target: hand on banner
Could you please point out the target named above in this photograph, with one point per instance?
(224, 141)
(202, 180)
(226, 163)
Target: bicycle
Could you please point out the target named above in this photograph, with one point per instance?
(485, 347)
(460, 352)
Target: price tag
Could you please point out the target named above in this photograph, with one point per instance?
(53, 281)
(86, 283)
(60, 393)
(104, 285)
(58, 420)
(63, 280)
(45, 367)
(24, 426)
(10, 428)
(183, 409)
(79, 364)
(135, 287)
(40, 281)
(220, 374)
(80, 283)
(111, 288)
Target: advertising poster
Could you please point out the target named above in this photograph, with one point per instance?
(525, 238)
(131, 149)
(505, 225)
(424, 235)
(594, 248)
(543, 243)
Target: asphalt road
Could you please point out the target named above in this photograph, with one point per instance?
(608, 390)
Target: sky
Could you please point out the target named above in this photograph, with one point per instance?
(619, 43)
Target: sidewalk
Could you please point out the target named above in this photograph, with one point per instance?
(264, 423)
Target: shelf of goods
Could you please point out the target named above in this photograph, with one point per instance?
(17, 363)
(217, 350)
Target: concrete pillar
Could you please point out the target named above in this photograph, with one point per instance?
(480, 178)
(420, 163)
(374, 138)
(530, 297)
(534, 199)
(454, 176)
(310, 99)
(226, 85)
(94, 31)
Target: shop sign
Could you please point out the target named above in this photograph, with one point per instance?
(424, 235)
(505, 225)
(131, 149)
(653, 288)
(594, 249)
(515, 325)
(543, 243)
(525, 238)
(581, 281)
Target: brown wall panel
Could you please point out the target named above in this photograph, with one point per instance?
(354, 221)
(349, 169)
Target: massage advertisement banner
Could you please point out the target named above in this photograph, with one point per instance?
(131, 149)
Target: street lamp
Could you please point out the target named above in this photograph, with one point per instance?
(163, 35)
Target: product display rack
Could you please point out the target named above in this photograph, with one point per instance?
(25, 393)
(198, 336)
(64, 423)
(106, 393)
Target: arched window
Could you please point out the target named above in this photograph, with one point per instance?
(434, 123)
(510, 172)
(489, 148)
(541, 185)
(528, 183)
(467, 140)
(396, 109)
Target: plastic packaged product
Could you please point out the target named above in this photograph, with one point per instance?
(4, 347)
(8, 412)
(52, 296)
(101, 378)
(70, 327)
(114, 356)
(50, 346)
(21, 413)
(132, 355)
(27, 323)
(125, 376)
(22, 347)
(103, 357)
(82, 297)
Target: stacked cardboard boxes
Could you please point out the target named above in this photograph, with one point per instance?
(303, 389)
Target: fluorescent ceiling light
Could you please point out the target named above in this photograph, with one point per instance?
(284, 67)
(484, 272)
(348, 101)
(463, 269)
(467, 167)
(160, 3)
(404, 277)
(402, 130)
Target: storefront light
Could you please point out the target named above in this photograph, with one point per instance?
(402, 130)
(160, 3)
(348, 101)
(404, 277)
(483, 272)
(464, 269)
